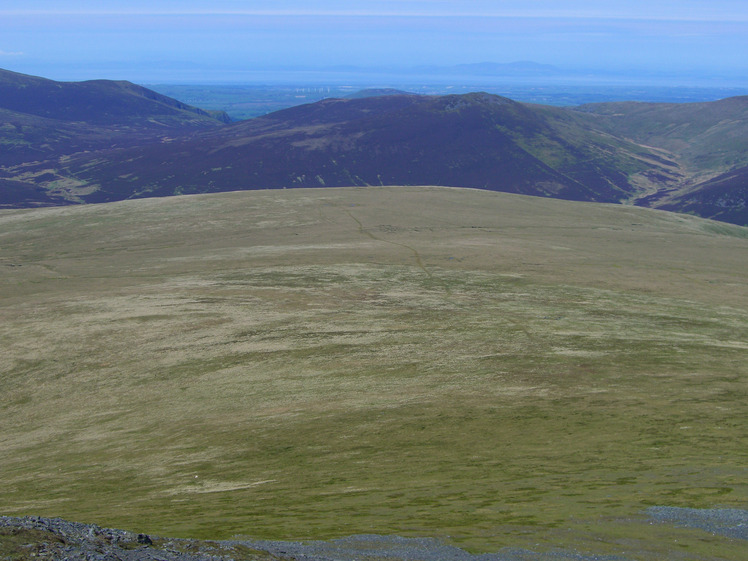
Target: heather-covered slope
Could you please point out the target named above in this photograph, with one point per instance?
(724, 197)
(43, 123)
(105, 141)
(474, 140)
(98, 102)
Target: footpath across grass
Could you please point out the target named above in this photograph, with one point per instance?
(487, 369)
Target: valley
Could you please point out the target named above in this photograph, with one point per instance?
(682, 157)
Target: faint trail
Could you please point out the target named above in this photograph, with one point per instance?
(448, 292)
(417, 255)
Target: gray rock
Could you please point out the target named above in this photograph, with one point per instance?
(72, 541)
(729, 522)
(376, 548)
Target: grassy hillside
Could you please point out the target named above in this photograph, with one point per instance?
(707, 136)
(491, 369)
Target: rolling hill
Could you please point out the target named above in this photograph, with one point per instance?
(490, 369)
(99, 102)
(43, 122)
(671, 156)
(474, 140)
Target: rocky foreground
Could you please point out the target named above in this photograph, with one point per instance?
(33, 537)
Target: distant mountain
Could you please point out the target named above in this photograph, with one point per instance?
(474, 140)
(42, 119)
(99, 102)
(103, 141)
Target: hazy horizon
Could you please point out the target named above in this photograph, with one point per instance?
(196, 41)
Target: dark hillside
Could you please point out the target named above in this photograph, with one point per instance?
(102, 141)
(474, 140)
(99, 102)
(723, 198)
(43, 123)
(26, 138)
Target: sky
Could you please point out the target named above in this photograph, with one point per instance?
(186, 40)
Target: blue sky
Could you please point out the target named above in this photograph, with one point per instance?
(143, 39)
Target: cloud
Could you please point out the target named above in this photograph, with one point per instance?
(9, 53)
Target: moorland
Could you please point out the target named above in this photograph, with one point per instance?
(489, 369)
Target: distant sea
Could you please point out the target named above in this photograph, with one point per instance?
(265, 94)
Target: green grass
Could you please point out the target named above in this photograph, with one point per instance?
(485, 368)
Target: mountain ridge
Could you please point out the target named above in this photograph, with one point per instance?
(680, 157)
(474, 140)
(93, 101)
(42, 120)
